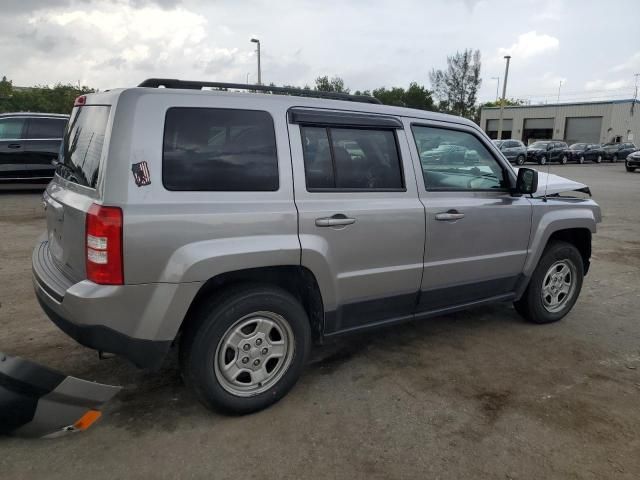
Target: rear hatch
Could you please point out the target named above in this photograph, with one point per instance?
(75, 186)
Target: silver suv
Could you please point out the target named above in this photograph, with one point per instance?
(241, 227)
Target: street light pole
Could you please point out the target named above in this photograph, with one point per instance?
(257, 42)
(504, 94)
(559, 87)
(497, 86)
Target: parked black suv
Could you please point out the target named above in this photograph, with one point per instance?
(29, 143)
(618, 151)
(580, 152)
(513, 150)
(548, 151)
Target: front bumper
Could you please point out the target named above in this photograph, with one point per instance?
(36, 401)
(137, 322)
(633, 162)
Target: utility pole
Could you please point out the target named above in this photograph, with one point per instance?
(559, 87)
(257, 42)
(504, 94)
(497, 86)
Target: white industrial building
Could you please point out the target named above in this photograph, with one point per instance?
(593, 122)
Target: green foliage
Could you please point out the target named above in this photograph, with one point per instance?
(508, 102)
(416, 96)
(334, 84)
(41, 98)
(457, 87)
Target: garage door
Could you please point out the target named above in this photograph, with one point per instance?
(583, 129)
(537, 129)
(492, 128)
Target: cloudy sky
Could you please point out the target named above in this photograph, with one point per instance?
(593, 47)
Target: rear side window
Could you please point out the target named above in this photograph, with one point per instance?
(82, 145)
(215, 149)
(11, 128)
(351, 158)
(40, 128)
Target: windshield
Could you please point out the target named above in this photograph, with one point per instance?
(80, 154)
(539, 145)
(578, 146)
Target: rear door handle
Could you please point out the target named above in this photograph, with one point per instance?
(335, 221)
(14, 145)
(449, 216)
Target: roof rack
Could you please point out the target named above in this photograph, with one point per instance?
(193, 85)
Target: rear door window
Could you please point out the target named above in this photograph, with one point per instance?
(82, 146)
(11, 128)
(351, 159)
(46, 128)
(215, 149)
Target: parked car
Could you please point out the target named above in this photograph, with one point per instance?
(632, 161)
(542, 152)
(514, 150)
(29, 143)
(243, 226)
(618, 151)
(580, 152)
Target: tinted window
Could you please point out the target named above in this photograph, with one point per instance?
(351, 158)
(11, 128)
(455, 160)
(214, 149)
(46, 127)
(82, 145)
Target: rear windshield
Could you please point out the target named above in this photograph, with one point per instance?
(82, 146)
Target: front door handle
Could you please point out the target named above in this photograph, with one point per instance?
(337, 220)
(14, 145)
(449, 216)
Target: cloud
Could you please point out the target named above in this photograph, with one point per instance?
(632, 64)
(530, 44)
(605, 85)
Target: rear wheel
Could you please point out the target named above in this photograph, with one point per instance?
(543, 160)
(599, 159)
(246, 350)
(614, 159)
(520, 160)
(564, 159)
(581, 159)
(554, 286)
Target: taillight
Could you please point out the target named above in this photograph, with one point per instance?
(104, 245)
(80, 101)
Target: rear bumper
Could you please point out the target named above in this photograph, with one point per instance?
(137, 322)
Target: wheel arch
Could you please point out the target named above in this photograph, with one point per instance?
(295, 279)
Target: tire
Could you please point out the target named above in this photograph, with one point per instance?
(614, 159)
(599, 159)
(281, 324)
(564, 159)
(536, 309)
(543, 160)
(581, 159)
(520, 160)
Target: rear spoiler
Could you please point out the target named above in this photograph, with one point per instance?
(36, 401)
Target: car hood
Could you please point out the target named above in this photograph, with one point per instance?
(551, 184)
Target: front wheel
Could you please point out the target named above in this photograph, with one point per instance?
(245, 350)
(564, 159)
(630, 169)
(543, 160)
(581, 159)
(614, 159)
(599, 159)
(554, 286)
(520, 160)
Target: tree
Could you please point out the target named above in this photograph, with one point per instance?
(42, 98)
(508, 102)
(416, 96)
(334, 84)
(457, 87)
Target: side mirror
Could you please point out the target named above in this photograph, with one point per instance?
(527, 182)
